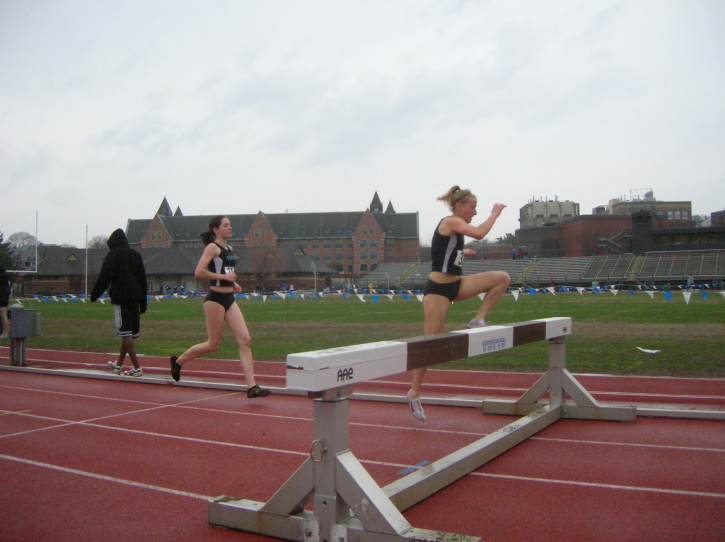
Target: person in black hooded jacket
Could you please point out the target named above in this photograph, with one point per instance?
(123, 270)
(4, 301)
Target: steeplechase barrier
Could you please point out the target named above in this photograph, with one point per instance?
(347, 504)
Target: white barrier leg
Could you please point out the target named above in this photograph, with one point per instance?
(560, 384)
(348, 505)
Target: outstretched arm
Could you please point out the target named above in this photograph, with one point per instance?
(458, 225)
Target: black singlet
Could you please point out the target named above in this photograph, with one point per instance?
(222, 264)
(447, 253)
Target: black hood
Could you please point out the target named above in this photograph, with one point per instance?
(117, 240)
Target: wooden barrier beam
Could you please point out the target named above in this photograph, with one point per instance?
(336, 367)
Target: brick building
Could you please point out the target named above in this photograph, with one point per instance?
(351, 243)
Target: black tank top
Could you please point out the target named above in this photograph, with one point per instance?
(447, 253)
(222, 264)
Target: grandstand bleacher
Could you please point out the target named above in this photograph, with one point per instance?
(678, 265)
(704, 266)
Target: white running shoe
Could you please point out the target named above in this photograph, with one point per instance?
(115, 368)
(476, 322)
(134, 372)
(416, 409)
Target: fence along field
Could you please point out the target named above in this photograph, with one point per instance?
(608, 329)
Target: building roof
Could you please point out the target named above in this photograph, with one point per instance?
(286, 225)
(175, 260)
(68, 261)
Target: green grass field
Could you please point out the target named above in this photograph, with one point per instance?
(607, 329)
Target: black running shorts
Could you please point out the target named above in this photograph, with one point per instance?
(448, 290)
(225, 299)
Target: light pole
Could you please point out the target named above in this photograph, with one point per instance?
(314, 270)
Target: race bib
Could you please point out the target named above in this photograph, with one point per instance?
(459, 258)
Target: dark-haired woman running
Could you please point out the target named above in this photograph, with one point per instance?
(217, 266)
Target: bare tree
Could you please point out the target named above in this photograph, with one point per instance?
(22, 239)
(264, 263)
(97, 241)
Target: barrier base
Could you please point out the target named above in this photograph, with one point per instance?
(348, 504)
(246, 515)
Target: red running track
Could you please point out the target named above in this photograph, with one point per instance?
(86, 459)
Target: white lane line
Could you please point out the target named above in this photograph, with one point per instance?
(632, 445)
(430, 370)
(615, 487)
(194, 405)
(482, 389)
(153, 434)
(603, 486)
(64, 423)
(106, 478)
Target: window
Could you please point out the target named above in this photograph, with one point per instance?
(328, 257)
(373, 255)
(373, 242)
(363, 255)
(328, 243)
(315, 244)
(339, 256)
(363, 243)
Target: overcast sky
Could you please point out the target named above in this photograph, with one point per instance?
(232, 107)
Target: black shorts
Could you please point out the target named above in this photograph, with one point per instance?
(128, 320)
(448, 290)
(225, 299)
